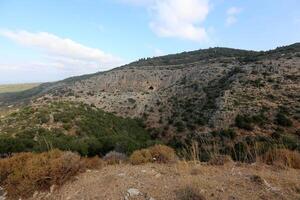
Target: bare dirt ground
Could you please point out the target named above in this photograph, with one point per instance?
(162, 182)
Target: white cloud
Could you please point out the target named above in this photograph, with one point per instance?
(177, 18)
(64, 47)
(61, 57)
(232, 14)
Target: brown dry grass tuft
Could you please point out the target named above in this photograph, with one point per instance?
(25, 173)
(140, 157)
(157, 153)
(93, 163)
(282, 158)
(163, 154)
(220, 160)
(189, 192)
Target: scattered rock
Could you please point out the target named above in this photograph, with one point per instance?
(133, 192)
(122, 174)
(158, 175)
(52, 188)
(2, 194)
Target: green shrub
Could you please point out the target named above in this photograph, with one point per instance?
(282, 120)
(244, 122)
(91, 131)
(228, 133)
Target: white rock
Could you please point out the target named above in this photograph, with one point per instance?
(158, 175)
(133, 192)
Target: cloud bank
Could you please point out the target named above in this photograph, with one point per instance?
(60, 55)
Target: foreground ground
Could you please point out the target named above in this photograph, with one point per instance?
(166, 182)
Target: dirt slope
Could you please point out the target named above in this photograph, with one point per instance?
(162, 182)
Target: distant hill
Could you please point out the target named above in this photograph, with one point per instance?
(9, 88)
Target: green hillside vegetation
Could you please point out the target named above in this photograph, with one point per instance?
(213, 53)
(70, 126)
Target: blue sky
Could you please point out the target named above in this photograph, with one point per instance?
(47, 40)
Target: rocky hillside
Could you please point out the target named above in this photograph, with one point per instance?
(192, 93)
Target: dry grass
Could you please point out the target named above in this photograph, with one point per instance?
(157, 153)
(25, 173)
(220, 160)
(93, 163)
(189, 192)
(282, 158)
(140, 157)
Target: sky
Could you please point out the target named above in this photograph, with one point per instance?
(49, 40)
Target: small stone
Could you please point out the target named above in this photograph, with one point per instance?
(52, 188)
(122, 174)
(133, 192)
(158, 175)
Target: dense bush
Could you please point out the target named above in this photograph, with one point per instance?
(244, 122)
(282, 120)
(248, 122)
(91, 131)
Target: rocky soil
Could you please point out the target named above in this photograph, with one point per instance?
(165, 182)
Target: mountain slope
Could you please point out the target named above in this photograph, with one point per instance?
(192, 92)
